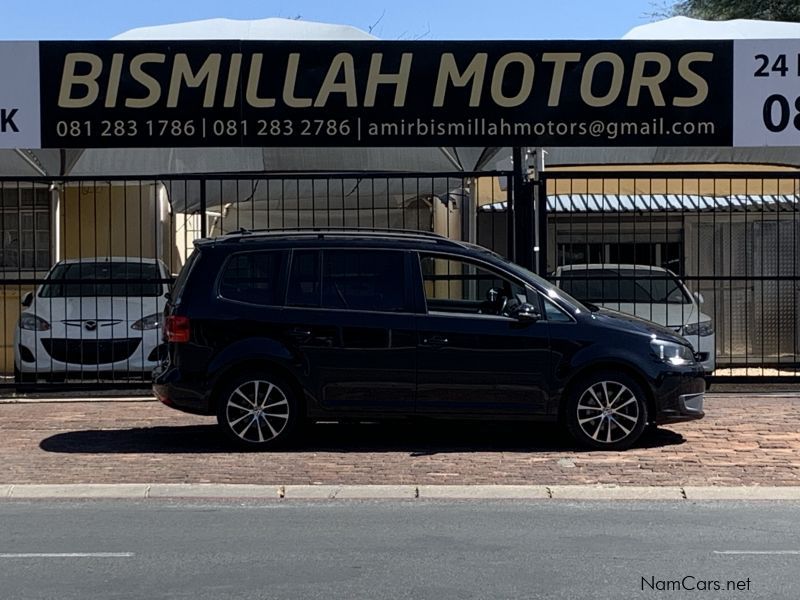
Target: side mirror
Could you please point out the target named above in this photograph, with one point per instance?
(527, 312)
(27, 299)
(699, 297)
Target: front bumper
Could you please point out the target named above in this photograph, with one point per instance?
(680, 397)
(53, 355)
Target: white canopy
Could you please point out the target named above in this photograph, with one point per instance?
(684, 28)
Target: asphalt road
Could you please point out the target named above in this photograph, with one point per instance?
(397, 550)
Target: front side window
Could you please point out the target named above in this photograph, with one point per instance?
(252, 277)
(455, 285)
(103, 279)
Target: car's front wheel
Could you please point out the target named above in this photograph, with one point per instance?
(607, 411)
(257, 411)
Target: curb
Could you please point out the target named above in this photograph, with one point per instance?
(144, 491)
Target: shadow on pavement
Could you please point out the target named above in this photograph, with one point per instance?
(418, 439)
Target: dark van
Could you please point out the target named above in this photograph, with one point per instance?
(267, 330)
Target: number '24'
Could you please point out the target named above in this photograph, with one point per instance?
(779, 66)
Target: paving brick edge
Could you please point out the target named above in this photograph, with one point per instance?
(145, 491)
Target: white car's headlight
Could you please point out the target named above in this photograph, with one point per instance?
(33, 323)
(672, 353)
(701, 328)
(149, 322)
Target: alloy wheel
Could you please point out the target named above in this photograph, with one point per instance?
(257, 411)
(608, 412)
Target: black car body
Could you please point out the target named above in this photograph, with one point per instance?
(367, 325)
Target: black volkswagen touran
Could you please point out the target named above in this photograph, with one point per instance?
(267, 330)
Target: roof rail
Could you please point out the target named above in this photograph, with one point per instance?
(242, 233)
(317, 229)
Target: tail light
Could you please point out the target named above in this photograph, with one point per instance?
(176, 329)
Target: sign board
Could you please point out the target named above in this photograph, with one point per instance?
(766, 93)
(19, 95)
(372, 93)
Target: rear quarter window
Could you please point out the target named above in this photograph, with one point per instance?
(180, 283)
(253, 277)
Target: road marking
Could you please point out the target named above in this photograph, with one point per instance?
(765, 552)
(67, 555)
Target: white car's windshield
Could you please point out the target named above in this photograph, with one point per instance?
(624, 286)
(103, 279)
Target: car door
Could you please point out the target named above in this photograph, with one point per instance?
(350, 316)
(472, 357)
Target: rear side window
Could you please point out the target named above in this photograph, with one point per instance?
(367, 280)
(364, 280)
(253, 277)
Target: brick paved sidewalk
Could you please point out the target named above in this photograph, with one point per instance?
(742, 441)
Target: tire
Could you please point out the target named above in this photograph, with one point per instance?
(21, 378)
(606, 411)
(258, 410)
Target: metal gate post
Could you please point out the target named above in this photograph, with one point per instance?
(524, 224)
(203, 225)
(541, 219)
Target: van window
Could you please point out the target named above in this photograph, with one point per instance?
(303, 288)
(252, 277)
(456, 285)
(371, 280)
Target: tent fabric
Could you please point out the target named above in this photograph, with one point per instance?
(684, 28)
(259, 29)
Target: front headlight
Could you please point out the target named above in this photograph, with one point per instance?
(672, 353)
(701, 328)
(33, 323)
(149, 322)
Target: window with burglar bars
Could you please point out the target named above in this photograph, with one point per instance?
(24, 228)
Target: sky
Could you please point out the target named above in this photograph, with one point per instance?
(389, 19)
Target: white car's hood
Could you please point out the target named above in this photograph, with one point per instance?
(127, 309)
(674, 316)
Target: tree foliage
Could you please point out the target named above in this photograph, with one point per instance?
(720, 10)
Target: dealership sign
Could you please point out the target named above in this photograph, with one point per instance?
(315, 93)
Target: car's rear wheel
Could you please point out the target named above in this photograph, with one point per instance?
(257, 411)
(607, 411)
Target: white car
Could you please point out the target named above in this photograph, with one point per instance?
(652, 293)
(92, 318)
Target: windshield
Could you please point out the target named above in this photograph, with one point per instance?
(624, 286)
(103, 279)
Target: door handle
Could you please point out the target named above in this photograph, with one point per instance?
(435, 340)
(300, 332)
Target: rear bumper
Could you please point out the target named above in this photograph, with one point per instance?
(171, 389)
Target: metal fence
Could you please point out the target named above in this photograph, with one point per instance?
(85, 263)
